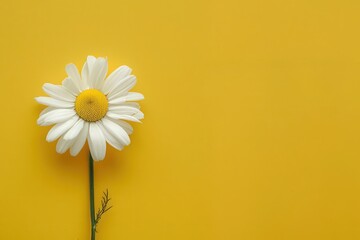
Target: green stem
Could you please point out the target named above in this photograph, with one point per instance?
(92, 205)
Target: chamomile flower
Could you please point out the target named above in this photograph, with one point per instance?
(90, 106)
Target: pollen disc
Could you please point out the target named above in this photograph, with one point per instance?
(91, 105)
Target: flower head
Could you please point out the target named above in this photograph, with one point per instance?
(91, 107)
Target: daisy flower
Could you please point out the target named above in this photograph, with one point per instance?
(89, 106)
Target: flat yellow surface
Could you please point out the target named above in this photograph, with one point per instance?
(251, 129)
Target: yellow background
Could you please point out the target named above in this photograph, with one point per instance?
(251, 129)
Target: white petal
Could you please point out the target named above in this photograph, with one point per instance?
(126, 126)
(122, 117)
(110, 138)
(125, 104)
(80, 140)
(131, 96)
(139, 115)
(91, 61)
(115, 77)
(124, 110)
(69, 84)
(73, 73)
(40, 120)
(122, 87)
(51, 102)
(55, 116)
(58, 92)
(75, 130)
(97, 142)
(98, 73)
(46, 110)
(63, 145)
(116, 130)
(60, 128)
(134, 96)
(87, 68)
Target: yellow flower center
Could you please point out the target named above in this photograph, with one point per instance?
(91, 105)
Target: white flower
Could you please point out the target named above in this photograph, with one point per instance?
(88, 107)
